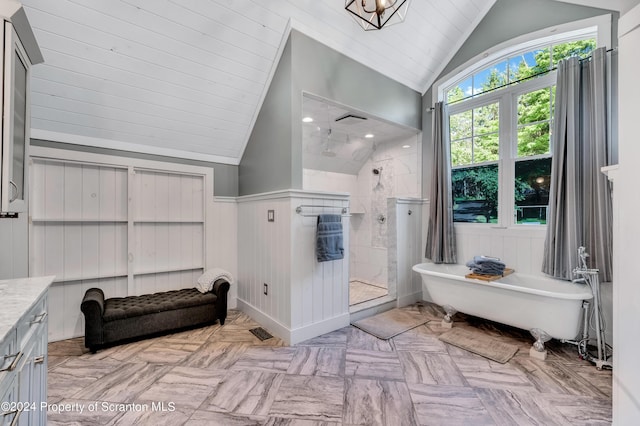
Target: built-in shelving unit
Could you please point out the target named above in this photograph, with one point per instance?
(125, 229)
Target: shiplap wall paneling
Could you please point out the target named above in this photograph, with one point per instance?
(521, 249)
(222, 241)
(164, 281)
(65, 319)
(166, 247)
(78, 220)
(264, 257)
(168, 230)
(320, 290)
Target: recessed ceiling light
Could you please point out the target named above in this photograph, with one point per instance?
(307, 120)
(406, 146)
(369, 135)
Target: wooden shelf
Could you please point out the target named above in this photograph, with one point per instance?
(171, 221)
(59, 279)
(80, 221)
(166, 270)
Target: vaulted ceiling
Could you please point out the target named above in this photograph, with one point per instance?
(186, 78)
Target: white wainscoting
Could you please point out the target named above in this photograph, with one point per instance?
(305, 298)
(405, 248)
(520, 248)
(222, 238)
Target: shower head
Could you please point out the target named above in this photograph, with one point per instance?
(377, 171)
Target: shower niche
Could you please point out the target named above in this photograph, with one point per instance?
(372, 160)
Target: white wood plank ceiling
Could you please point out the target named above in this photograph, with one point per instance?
(186, 78)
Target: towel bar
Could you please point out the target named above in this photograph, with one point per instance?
(300, 207)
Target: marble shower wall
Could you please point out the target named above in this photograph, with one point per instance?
(399, 177)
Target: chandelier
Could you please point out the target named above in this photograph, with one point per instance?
(375, 14)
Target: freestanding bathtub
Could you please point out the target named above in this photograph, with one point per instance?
(523, 301)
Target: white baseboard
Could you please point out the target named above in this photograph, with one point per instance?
(289, 336)
(319, 328)
(409, 299)
(271, 325)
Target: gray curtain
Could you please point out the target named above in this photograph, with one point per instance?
(580, 210)
(441, 242)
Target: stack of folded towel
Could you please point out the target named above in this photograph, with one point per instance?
(486, 265)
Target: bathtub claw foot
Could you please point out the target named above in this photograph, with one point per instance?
(538, 351)
(450, 311)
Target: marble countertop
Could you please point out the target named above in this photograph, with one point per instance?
(16, 297)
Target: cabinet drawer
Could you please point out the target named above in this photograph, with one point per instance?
(9, 358)
(30, 322)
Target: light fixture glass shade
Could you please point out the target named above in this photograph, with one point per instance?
(375, 14)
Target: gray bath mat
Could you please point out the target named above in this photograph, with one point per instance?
(391, 323)
(480, 344)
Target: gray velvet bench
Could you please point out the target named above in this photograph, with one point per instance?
(118, 319)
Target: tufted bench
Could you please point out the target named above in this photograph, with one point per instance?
(122, 318)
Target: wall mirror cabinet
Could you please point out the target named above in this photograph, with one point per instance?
(19, 52)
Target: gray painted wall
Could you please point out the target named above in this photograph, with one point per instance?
(266, 161)
(511, 18)
(273, 157)
(225, 176)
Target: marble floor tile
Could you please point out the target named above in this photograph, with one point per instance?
(121, 352)
(125, 383)
(210, 418)
(510, 408)
(309, 397)
(600, 381)
(70, 347)
(419, 339)
(224, 375)
(373, 364)
(582, 410)
(554, 377)
(335, 339)
(79, 414)
(483, 373)
(199, 335)
(378, 402)
(71, 377)
(455, 405)
(155, 415)
(358, 339)
(277, 421)
(270, 359)
(430, 368)
(216, 355)
(360, 292)
(166, 352)
(182, 388)
(317, 361)
(245, 392)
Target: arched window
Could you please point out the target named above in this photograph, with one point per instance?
(500, 117)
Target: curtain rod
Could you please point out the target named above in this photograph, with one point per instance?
(521, 80)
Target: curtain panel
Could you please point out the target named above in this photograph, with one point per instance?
(441, 243)
(580, 207)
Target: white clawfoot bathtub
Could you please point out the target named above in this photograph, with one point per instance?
(522, 301)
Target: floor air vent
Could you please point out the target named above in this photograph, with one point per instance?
(261, 333)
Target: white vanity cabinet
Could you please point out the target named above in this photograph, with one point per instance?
(23, 351)
(19, 52)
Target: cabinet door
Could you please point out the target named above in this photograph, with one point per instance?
(15, 123)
